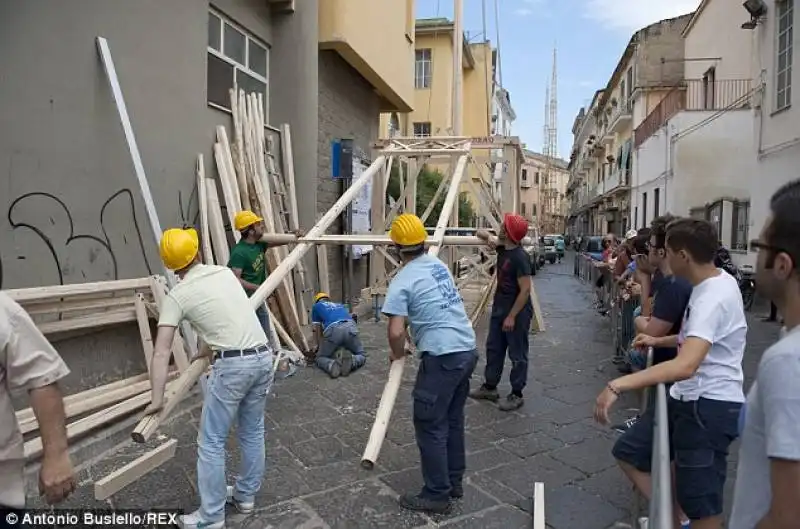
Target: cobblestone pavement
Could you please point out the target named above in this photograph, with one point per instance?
(318, 428)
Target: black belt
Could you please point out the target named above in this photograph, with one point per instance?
(235, 353)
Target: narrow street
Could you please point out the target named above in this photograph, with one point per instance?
(318, 428)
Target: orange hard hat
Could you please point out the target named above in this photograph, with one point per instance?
(516, 226)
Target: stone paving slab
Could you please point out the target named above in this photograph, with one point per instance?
(318, 427)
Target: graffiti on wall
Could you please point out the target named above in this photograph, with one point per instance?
(54, 247)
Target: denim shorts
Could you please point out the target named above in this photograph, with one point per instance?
(701, 433)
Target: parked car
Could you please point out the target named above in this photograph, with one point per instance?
(549, 249)
(593, 247)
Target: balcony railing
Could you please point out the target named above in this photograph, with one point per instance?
(695, 94)
(621, 114)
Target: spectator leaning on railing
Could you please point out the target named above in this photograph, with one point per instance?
(707, 394)
(767, 494)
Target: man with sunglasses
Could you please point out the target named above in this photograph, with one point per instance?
(707, 394)
(767, 493)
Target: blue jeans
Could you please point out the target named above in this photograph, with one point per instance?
(700, 432)
(516, 343)
(440, 393)
(263, 318)
(237, 391)
(344, 334)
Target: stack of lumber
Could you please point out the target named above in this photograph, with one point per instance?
(64, 310)
(248, 178)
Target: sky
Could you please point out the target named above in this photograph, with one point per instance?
(590, 36)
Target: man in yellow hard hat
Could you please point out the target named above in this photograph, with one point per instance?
(339, 348)
(210, 299)
(423, 295)
(248, 260)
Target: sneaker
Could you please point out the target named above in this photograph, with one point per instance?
(457, 491)
(335, 371)
(484, 393)
(194, 521)
(512, 402)
(244, 507)
(626, 425)
(345, 361)
(418, 503)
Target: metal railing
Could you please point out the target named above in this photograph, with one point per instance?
(621, 311)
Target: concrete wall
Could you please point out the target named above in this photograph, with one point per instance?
(693, 169)
(659, 53)
(348, 108)
(717, 32)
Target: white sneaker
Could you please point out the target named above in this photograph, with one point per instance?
(244, 507)
(194, 521)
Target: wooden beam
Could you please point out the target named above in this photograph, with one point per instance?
(121, 478)
(367, 238)
(144, 330)
(202, 205)
(25, 296)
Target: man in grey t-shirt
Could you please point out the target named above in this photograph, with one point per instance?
(767, 494)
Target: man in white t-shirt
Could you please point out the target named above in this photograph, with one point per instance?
(707, 396)
(767, 494)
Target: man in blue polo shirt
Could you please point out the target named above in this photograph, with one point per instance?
(424, 296)
(339, 348)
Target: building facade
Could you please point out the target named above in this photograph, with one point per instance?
(543, 186)
(601, 190)
(72, 199)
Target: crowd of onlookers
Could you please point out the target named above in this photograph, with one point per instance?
(690, 324)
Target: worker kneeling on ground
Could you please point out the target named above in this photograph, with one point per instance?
(211, 300)
(339, 348)
(423, 295)
(512, 311)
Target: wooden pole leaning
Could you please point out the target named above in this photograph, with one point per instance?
(390, 390)
(148, 425)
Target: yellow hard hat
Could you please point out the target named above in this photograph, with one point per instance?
(408, 230)
(320, 295)
(245, 219)
(178, 247)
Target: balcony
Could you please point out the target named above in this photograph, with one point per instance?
(525, 183)
(621, 116)
(695, 95)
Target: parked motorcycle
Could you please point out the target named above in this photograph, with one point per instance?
(747, 286)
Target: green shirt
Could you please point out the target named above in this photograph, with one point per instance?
(250, 259)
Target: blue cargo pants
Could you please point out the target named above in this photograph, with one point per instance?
(440, 393)
(516, 343)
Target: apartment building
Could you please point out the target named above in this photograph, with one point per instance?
(543, 185)
(603, 159)
(776, 116)
(71, 204)
(485, 107)
(695, 148)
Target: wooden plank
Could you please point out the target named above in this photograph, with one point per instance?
(77, 305)
(219, 239)
(88, 322)
(33, 448)
(27, 414)
(538, 506)
(538, 319)
(322, 265)
(202, 204)
(25, 296)
(121, 478)
(144, 330)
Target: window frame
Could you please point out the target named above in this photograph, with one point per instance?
(250, 39)
(422, 124)
(740, 206)
(784, 9)
(417, 62)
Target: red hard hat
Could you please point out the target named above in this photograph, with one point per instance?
(516, 226)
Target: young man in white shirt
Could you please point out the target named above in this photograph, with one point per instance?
(767, 494)
(707, 395)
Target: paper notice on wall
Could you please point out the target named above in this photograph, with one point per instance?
(362, 210)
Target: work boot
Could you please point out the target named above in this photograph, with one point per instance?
(457, 491)
(484, 393)
(335, 370)
(512, 402)
(345, 360)
(418, 503)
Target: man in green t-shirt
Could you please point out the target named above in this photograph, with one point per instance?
(248, 258)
